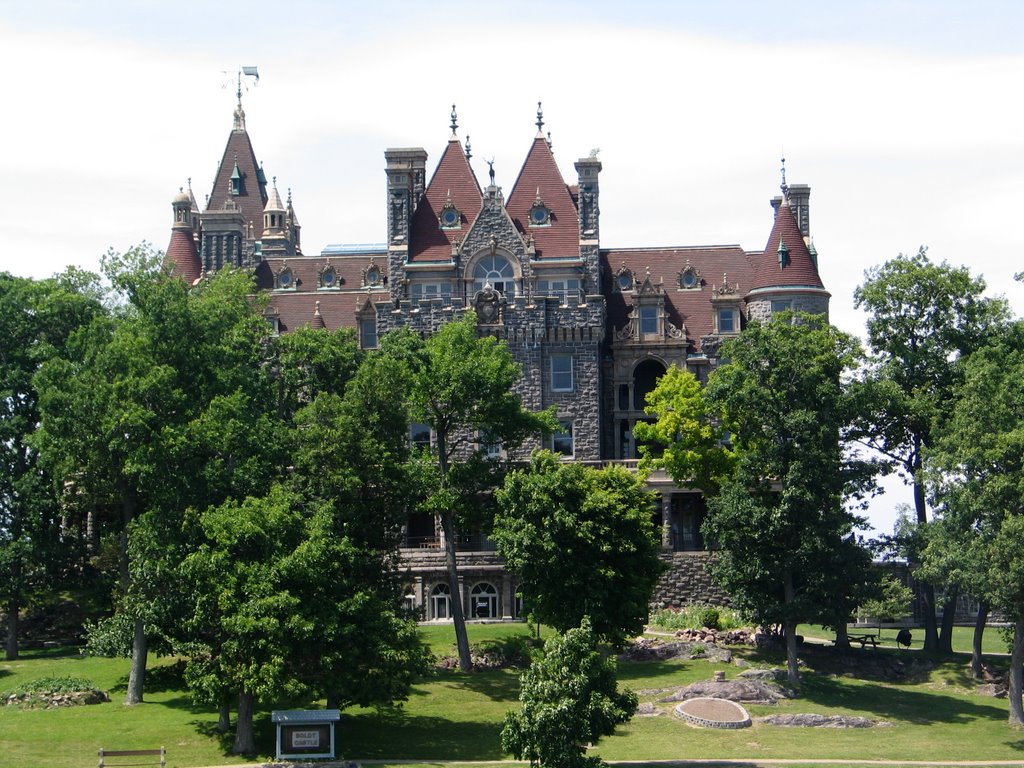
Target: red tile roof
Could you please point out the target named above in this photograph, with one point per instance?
(338, 307)
(540, 172)
(253, 197)
(716, 264)
(454, 176)
(800, 269)
(182, 256)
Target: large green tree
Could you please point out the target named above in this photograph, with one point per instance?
(978, 481)
(583, 543)
(37, 318)
(159, 407)
(570, 698)
(922, 317)
(462, 385)
(781, 518)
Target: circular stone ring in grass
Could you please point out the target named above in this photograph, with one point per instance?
(709, 712)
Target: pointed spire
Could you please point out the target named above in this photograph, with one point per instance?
(455, 122)
(540, 120)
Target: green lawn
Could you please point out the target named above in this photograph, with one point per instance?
(454, 716)
(963, 637)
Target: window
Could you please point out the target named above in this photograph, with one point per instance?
(368, 333)
(491, 446)
(561, 373)
(497, 272)
(624, 280)
(419, 436)
(428, 291)
(329, 278)
(726, 321)
(781, 305)
(540, 216)
(285, 280)
(483, 601)
(566, 290)
(648, 321)
(561, 439)
(440, 602)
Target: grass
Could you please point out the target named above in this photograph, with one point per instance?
(454, 716)
(963, 637)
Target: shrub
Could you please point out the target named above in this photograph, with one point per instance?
(110, 637)
(52, 685)
(699, 615)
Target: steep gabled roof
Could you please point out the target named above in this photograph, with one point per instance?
(454, 178)
(540, 176)
(800, 268)
(252, 197)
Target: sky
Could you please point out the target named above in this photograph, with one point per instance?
(904, 117)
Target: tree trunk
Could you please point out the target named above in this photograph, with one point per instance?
(224, 718)
(455, 598)
(842, 636)
(977, 665)
(11, 651)
(1017, 674)
(789, 627)
(137, 675)
(931, 630)
(948, 620)
(245, 741)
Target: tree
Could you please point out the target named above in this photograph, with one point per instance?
(922, 317)
(977, 476)
(160, 407)
(462, 386)
(687, 440)
(780, 519)
(570, 698)
(283, 597)
(583, 544)
(892, 602)
(37, 318)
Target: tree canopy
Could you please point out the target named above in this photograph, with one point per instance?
(583, 543)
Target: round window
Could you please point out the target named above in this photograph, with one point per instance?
(539, 215)
(328, 278)
(449, 217)
(372, 276)
(689, 280)
(284, 279)
(625, 281)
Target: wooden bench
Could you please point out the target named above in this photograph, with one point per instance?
(864, 639)
(132, 753)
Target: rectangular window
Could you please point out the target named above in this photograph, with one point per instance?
(368, 333)
(726, 321)
(561, 373)
(419, 436)
(567, 291)
(781, 305)
(648, 321)
(561, 439)
(427, 291)
(490, 445)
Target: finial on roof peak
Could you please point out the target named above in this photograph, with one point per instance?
(469, 150)
(540, 121)
(783, 186)
(455, 121)
(549, 140)
(490, 170)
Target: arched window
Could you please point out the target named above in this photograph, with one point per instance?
(440, 602)
(645, 379)
(496, 271)
(483, 601)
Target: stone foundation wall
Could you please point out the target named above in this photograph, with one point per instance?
(687, 580)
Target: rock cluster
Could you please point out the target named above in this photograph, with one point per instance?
(822, 721)
(717, 636)
(49, 700)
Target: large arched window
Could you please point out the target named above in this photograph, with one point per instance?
(645, 379)
(483, 599)
(440, 602)
(496, 271)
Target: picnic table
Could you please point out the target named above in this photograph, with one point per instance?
(863, 638)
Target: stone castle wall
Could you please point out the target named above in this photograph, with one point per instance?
(687, 580)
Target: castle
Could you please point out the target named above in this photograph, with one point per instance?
(593, 328)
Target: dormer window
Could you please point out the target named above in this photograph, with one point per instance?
(285, 280)
(235, 184)
(450, 217)
(329, 278)
(372, 275)
(689, 278)
(624, 279)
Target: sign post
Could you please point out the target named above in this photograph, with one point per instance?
(305, 732)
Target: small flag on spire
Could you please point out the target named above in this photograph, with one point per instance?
(251, 72)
